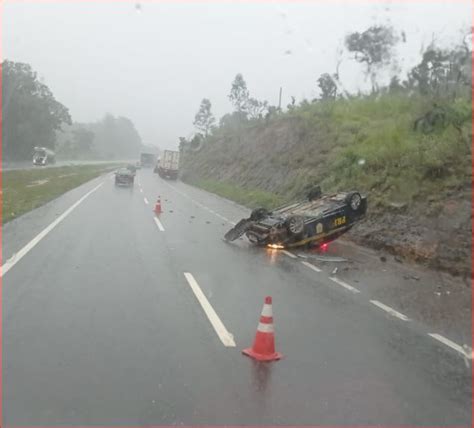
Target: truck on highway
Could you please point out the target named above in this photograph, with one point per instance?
(168, 165)
(43, 156)
(147, 160)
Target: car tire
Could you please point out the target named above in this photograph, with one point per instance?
(354, 200)
(295, 225)
(258, 214)
(314, 193)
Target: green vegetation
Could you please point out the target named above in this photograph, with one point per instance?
(32, 117)
(250, 198)
(371, 144)
(25, 190)
(402, 142)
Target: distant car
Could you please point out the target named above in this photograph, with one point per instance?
(124, 177)
(315, 221)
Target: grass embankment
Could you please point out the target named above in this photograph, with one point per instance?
(366, 143)
(251, 198)
(25, 190)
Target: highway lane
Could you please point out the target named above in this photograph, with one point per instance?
(100, 326)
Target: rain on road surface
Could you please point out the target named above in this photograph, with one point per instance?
(101, 326)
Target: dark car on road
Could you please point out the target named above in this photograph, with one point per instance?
(124, 177)
(314, 221)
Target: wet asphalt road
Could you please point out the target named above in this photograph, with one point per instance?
(100, 326)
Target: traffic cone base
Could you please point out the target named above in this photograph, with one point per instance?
(262, 357)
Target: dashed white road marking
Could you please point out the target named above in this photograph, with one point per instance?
(287, 253)
(226, 338)
(451, 344)
(344, 284)
(390, 310)
(311, 266)
(158, 224)
(201, 205)
(12, 261)
(146, 201)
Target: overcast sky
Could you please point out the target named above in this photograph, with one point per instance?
(155, 62)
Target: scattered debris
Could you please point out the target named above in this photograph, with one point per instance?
(398, 259)
(383, 258)
(208, 222)
(170, 211)
(334, 271)
(328, 259)
(193, 216)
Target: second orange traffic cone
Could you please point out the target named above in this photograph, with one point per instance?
(157, 209)
(263, 348)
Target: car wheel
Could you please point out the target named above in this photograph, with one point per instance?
(295, 224)
(354, 200)
(314, 193)
(258, 214)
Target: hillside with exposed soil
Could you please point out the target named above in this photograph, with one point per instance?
(410, 155)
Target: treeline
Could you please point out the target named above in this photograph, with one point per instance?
(442, 76)
(33, 117)
(109, 138)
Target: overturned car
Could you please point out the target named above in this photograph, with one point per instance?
(315, 221)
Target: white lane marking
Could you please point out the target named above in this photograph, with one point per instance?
(344, 284)
(287, 253)
(311, 266)
(158, 223)
(226, 338)
(146, 201)
(390, 310)
(13, 260)
(201, 205)
(141, 190)
(451, 344)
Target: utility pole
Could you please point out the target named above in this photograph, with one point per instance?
(279, 100)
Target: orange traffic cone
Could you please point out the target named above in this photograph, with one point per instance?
(263, 348)
(157, 209)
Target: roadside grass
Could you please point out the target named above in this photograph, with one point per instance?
(25, 190)
(251, 198)
(364, 143)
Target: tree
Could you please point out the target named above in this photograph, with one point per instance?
(239, 95)
(328, 87)
(292, 105)
(204, 119)
(116, 137)
(31, 114)
(256, 109)
(83, 140)
(373, 47)
(395, 85)
(442, 72)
